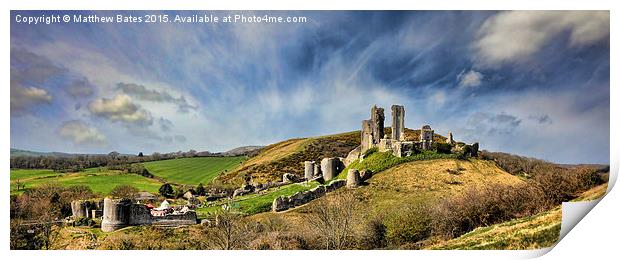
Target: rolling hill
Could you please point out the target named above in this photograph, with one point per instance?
(288, 156)
(99, 181)
(192, 171)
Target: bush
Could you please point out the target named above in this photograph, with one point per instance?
(87, 222)
(200, 190)
(124, 191)
(442, 147)
(513, 164)
(409, 224)
(492, 204)
(562, 184)
(166, 190)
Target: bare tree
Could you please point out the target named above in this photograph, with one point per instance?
(333, 220)
(230, 231)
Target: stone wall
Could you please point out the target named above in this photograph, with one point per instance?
(188, 218)
(353, 155)
(283, 203)
(84, 208)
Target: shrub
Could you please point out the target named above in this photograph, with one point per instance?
(124, 191)
(442, 147)
(166, 190)
(489, 205)
(410, 224)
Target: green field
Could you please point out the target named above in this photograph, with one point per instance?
(98, 181)
(193, 170)
(25, 174)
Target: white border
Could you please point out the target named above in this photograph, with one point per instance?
(595, 236)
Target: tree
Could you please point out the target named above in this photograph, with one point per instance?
(166, 190)
(200, 190)
(334, 221)
(140, 154)
(124, 191)
(231, 231)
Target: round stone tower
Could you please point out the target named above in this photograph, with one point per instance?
(116, 214)
(353, 178)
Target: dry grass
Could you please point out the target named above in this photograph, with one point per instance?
(415, 182)
(538, 231)
(276, 151)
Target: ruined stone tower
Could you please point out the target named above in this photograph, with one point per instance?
(377, 118)
(450, 138)
(398, 122)
(367, 138)
(116, 214)
(426, 137)
(308, 169)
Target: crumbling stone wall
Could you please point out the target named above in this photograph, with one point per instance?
(353, 155)
(85, 208)
(283, 203)
(188, 218)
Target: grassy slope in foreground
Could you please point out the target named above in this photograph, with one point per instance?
(193, 171)
(534, 232)
(389, 191)
(99, 181)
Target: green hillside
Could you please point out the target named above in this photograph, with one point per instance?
(99, 181)
(193, 171)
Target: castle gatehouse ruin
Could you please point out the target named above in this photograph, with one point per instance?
(120, 213)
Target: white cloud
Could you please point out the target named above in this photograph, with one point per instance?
(120, 108)
(23, 97)
(81, 133)
(515, 35)
(471, 78)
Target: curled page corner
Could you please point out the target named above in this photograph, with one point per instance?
(573, 212)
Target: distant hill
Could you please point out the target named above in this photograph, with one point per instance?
(243, 150)
(19, 152)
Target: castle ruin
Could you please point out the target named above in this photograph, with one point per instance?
(120, 213)
(373, 135)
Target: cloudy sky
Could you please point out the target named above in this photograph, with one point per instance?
(530, 83)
